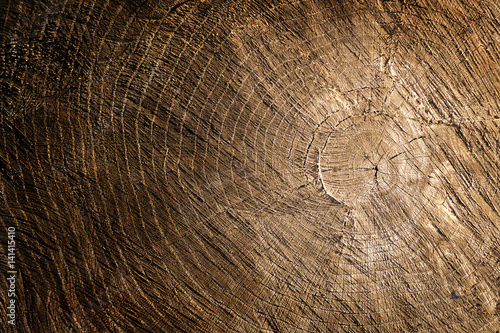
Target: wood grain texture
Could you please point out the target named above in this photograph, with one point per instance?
(251, 166)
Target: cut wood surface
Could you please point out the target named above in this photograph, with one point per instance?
(251, 166)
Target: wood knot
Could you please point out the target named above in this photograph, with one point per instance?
(368, 156)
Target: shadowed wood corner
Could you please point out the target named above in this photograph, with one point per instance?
(250, 166)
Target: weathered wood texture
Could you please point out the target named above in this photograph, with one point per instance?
(252, 166)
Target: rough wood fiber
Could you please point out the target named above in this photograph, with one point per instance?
(252, 166)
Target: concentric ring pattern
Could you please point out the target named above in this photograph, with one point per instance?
(252, 166)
